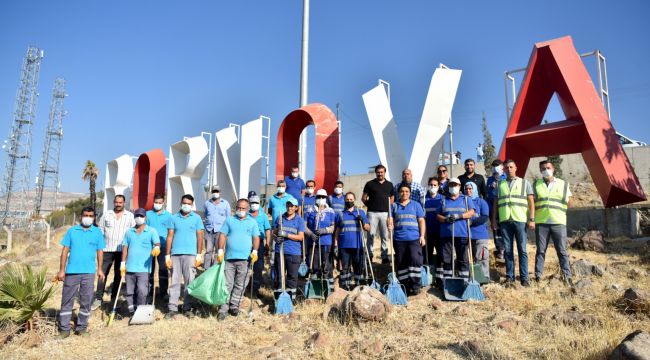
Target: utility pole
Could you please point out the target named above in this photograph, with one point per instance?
(48, 173)
(338, 105)
(19, 144)
(304, 71)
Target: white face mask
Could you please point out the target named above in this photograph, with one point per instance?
(454, 190)
(498, 169)
(433, 189)
(241, 214)
(321, 201)
(338, 191)
(255, 207)
(215, 196)
(547, 173)
(86, 221)
(309, 191)
(157, 207)
(139, 220)
(281, 190)
(186, 208)
(294, 174)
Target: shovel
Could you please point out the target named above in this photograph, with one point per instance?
(144, 313)
(454, 287)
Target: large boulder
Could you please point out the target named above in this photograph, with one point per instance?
(635, 346)
(591, 240)
(366, 304)
(635, 301)
(585, 268)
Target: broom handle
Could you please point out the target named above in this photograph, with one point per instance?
(302, 213)
(153, 293)
(390, 239)
(365, 251)
(453, 251)
(282, 264)
(320, 260)
(471, 253)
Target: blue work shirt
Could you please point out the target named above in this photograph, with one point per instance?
(240, 233)
(449, 206)
(350, 231)
(326, 218)
(481, 208)
(405, 220)
(337, 203)
(431, 205)
(278, 205)
(216, 215)
(308, 204)
(185, 228)
(83, 245)
(263, 223)
(140, 245)
(293, 226)
(493, 189)
(160, 222)
(295, 186)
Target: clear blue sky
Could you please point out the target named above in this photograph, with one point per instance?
(143, 74)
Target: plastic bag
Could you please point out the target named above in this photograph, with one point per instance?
(210, 287)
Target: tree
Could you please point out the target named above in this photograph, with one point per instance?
(489, 152)
(90, 174)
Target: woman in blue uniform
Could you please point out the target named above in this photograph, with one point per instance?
(347, 237)
(320, 227)
(479, 230)
(290, 229)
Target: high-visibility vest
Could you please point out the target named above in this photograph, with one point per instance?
(551, 205)
(512, 202)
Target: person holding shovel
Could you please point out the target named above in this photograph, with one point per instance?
(239, 241)
(141, 244)
(289, 228)
(347, 236)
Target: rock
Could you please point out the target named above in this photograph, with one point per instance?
(374, 349)
(286, 340)
(635, 274)
(435, 303)
(635, 346)
(366, 304)
(508, 325)
(475, 347)
(616, 287)
(582, 283)
(336, 298)
(591, 240)
(318, 340)
(582, 268)
(598, 271)
(636, 301)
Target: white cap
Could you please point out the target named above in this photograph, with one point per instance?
(454, 180)
(321, 192)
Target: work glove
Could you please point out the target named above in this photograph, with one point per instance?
(453, 217)
(156, 251)
(360, 219)
(122, 268)
(220, 256)
(254, 256)
(168, 261)
(282, 234)
(198, 260)
(325, 230)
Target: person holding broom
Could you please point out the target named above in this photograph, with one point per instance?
(239, 241)
(288, 229)
(347, 236)
(409, 229)
(320, 227)
(479, 231)
(431, 204)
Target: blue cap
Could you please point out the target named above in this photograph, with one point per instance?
(292, 201)
(140, 212)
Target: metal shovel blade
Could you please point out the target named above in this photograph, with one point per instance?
(454, 288)
(143, 315)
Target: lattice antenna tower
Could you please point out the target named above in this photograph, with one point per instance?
(47, 182)
(19, 144)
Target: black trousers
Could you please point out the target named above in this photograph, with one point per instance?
(434, 242)
(352, 264)
(408, 263)
(291, 263)
(110, 258)
(462, 259)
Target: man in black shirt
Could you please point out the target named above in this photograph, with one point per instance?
(470, 175)
(376, 195)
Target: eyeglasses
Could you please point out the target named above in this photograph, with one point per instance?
(241, 208)
(442, 171)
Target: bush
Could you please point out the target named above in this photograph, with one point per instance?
(23, 293)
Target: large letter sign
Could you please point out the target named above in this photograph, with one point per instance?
(187, 163)
(117, 181)
(327, 143)
(556, 67)
(149, 178)
(430, 136)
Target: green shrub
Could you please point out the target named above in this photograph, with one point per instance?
(23, 293)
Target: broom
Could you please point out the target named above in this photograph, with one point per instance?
(473, 289)
(302, 268)
(394, 291)
(374, 284)
(284, 305)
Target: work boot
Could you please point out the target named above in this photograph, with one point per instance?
(234, 312)
(63, 334)
(221, 316)
(525, 283)
(97, 303)
(82, 332)
(189, 314)
(171, 315)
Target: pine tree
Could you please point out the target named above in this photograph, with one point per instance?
(489, 152)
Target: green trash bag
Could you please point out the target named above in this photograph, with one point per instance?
(210, 287)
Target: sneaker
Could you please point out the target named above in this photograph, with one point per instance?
(234, 312)
(63, 334)
(221, 316)
(525, 283)
(82, 332)
(537, 279)
(171, 315)
(97, 303)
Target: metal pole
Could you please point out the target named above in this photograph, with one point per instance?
(304, 71)
(47, 235)
(451, 143)
(339, 123)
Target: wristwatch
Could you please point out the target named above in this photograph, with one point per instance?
(531, 219)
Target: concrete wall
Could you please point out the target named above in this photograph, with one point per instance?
(613, 222)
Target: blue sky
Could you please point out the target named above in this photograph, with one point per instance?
(143, 74)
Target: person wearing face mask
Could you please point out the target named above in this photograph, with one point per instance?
(318, 236)
(141, 244)
(81, 258)
(492, 192)
(417, 191)
(184, 247)
(264, 228)
(159, 218)
(309, 200)
(515, 206)
(238, 245)
(552, 199)
(277, 202)
(114, 224)
(290, 231)
(216, 211)
(431, 204)
(471, 175)
(480, 237)
(337, 201)
(295, 185)
(452, 214)
(347, 236)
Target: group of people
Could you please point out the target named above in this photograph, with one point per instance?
(309, 228)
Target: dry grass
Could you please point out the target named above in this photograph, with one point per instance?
(453, 331)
